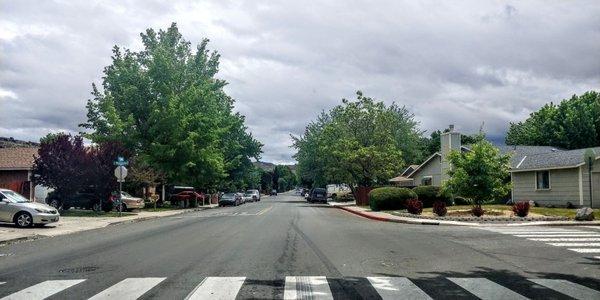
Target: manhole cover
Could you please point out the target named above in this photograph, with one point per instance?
(79, 269)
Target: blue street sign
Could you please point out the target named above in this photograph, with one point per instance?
(121, 161)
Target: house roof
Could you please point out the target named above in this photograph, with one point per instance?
(517, 153)
(408, 170)
(19, 158)
(400, 179)
(559, 159)
(424, 163)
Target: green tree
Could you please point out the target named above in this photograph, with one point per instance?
(479, 174)
(572, 124)
(361, 143)
(166, 105)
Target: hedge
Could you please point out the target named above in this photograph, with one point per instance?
(389, 198)
(429, 194)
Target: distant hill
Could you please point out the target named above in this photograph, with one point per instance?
(9, 142)
(267, 166)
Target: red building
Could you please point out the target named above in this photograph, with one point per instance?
(16, 170)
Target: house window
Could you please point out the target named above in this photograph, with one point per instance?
(543, 180)
(426, 180)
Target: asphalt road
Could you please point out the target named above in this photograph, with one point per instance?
(283, 246)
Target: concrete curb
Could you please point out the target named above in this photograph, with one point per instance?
(457, 223)
(117, 222)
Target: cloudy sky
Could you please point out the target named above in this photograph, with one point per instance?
(464, 62)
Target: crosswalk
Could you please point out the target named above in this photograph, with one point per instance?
(309, 287)
(573, 239)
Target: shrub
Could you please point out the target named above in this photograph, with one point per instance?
(458, 200)
(521, 208)
(429, 194)
(414, 206)
(389, 198)
(439, 208)
(477, 211)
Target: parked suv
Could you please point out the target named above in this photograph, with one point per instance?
(318, 195)
(255, 194)
(17, 209)
(84, 199)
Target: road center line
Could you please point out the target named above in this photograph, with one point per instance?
(264, 210)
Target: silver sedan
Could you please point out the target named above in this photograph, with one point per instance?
(17, 209)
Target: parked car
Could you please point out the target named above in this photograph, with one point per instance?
(85, 199)
(255, 194)
(17, 209)
(230, 199)
(247, 197)
(184, 195)
(318, 195)
(273, 192)
(128, 202)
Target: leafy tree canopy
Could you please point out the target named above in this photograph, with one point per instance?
(362, 142)
(572, 124)
(166, 105)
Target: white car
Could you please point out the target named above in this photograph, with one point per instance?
(17, 209)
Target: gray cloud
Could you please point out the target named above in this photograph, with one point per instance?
(464, 62)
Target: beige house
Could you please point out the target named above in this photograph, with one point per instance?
(558, 178)
(544, 174)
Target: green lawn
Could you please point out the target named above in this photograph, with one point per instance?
(91, 213)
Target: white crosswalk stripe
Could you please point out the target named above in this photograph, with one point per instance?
(568, 288)
(221, 288)
(558, 237)
(130, 288)
(307, 287)
(575, 244)
(565, 239)
(397, 288)
(304, 287)
(585, 250)
(485, 289)
(43, 290)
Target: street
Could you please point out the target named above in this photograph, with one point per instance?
(283, 246)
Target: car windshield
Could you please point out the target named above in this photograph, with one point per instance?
(248, 194)
(228, 196)
(14, 197)
(125, 194)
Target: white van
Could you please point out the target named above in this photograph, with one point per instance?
(336, 190)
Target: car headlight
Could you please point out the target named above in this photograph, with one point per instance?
(44, 211)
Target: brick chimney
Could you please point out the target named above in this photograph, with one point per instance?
(448, 141)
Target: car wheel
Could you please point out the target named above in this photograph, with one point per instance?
(97, 207)
(23, 219)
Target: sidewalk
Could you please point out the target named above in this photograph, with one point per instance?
(68, 225)
(386, 217)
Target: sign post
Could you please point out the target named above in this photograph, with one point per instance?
(120, 173)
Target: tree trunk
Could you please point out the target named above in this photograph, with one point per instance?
(362, 195)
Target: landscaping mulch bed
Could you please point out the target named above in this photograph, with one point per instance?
(491, 216)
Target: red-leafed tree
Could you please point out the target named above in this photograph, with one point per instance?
(66, 165)
(62, 163)
(102, 168)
